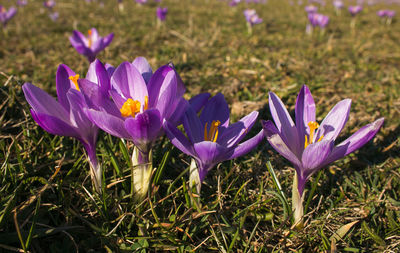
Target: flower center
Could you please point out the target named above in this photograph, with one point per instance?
(89, 38)
(74, 79)
(2, 9)
(313, 126)
(212, 133)
(132, 107)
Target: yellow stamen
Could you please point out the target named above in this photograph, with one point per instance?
(146, 103)
(89, 38)
(313, 126)
(212, 134)
(74, 79)
(205, 132)
(130, 108)
(305, 142)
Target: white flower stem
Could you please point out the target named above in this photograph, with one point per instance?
(95, 172)
(249, 28)
(297, 205)
(194, 178)
(353, 23)
(141, 173)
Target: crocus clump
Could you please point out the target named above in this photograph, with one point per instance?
(67, 116)
(90, 45)
(317, 19)
(386, 14)
(308, 145)
(211, 139)
(251, 18)
(6, 15)
(141, 102)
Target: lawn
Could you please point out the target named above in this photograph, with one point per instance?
(48, 204)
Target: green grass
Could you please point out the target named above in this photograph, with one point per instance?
(241, 209)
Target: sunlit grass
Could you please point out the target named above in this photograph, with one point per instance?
(241, 209)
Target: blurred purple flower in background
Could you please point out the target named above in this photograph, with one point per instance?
(91, 45)
(234, 2)
(354, 10)
(161, 13)
(308, 145)
(252, 19)
(141, 1)
(6, 15)
(311, 9)
(338, 4)
(319, 20)
(22, 2)
(54, 16)
(386, 14)
(49, 4)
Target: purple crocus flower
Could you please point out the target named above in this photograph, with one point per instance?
(311, 9)
(49, 4)
(141, 102)
(317, 19)
(141, 1)
(91, 45)
(6, 15)
(211, 139)
(354, 10)
(161, 13)
(308, 145)
(67, 117)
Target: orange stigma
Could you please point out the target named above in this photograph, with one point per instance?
(89, 38)
(74, 79)
(212, 134)
(313, 126)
